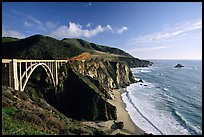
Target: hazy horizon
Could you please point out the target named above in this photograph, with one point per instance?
(146, 30)
(175, 59)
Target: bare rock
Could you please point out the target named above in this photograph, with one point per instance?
(179, 66)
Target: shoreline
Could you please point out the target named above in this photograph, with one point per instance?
(123, 113)
(130, 128)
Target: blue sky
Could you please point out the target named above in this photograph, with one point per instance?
(147, 30)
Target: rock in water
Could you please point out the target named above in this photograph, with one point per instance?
(179, 66)
(140, 81)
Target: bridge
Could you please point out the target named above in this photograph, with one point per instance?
(16, 72)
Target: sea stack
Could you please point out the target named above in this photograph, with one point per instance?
(179, 66)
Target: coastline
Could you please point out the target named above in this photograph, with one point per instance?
(129, 126)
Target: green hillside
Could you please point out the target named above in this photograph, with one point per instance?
(44, 47)
(39, 47)
(9, 39)
(29, 114)
(91, 47)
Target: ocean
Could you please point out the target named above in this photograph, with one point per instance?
(169, 101)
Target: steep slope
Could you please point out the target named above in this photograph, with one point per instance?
(84, 88)
(38, 47)
(108, 53)
(92, 46)
(79, 43)
(25, 115)
(44, 47)
(81, 98)
(9, 39)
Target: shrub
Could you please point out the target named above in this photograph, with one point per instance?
(9, 111)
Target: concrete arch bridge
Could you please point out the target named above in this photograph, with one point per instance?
(16, 72)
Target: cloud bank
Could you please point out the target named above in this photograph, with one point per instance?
(11, 33)
(170, 34)
(121, 30)
(53, 29)
(77, 30)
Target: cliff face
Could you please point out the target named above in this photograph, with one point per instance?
(111, 74)
(135, 62)
(82, 97)
(85, 86)
(85, 83)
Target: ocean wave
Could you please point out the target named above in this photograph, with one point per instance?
(184, 122)
(190, 67)
(150, 115)
(159, 74)
(155, 101)
(165, 89)
(142, 69)
(130, 100)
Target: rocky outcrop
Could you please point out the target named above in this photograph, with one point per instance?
(85, 86)
(135, 62)
(82, 97)
(111, 74)
(179, 66)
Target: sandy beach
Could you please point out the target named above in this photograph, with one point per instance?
(123, 116)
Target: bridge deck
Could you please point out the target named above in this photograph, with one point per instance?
(31, 60)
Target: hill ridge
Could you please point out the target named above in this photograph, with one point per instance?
(45, 47)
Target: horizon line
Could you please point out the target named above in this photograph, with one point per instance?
(170, 59)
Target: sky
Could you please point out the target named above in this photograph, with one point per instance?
(146, 30)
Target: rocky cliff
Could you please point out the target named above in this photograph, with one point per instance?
(85, 86)
(85, 82)
(135, 62)
(110, 74)
(44, 47)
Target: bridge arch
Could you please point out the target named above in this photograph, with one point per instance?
(43, 65)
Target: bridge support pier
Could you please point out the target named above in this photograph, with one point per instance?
(14, 73)
(56, 73)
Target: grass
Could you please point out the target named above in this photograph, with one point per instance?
(13, 126)
(27, 117)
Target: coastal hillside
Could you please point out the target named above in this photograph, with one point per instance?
(85, 88)
(44, 47)
(86, 46)
(29, 114)
(9, 39)
(38, 47)
(87, 84)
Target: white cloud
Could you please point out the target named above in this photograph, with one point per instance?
(88, 5)
(29, 17)
(121, 30)
(12, 33)
(31, 21)
(51, 25)
(148, 49)
(28, 24)
(192, 25)
(88, 25)
(34, 19)
(108, 27)
(171, 33)
(76, 30)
